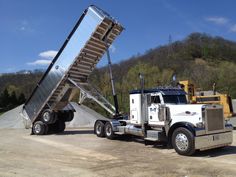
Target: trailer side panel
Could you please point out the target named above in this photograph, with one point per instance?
(77, 58)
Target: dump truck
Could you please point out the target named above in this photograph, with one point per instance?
(159, 115)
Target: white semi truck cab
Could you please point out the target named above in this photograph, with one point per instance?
(163, 115)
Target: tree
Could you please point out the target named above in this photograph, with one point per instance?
(226, 78)
(13, 99)
(21, 99)
(5, 98)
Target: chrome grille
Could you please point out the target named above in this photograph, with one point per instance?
(214, 119)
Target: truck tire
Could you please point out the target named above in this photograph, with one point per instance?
(99, 129)
(39, 128)
(183, 141)
(58, 127)
(109, 131)
(48, 116)
(46, 131)
(68, 116)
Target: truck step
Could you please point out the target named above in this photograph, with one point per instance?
(119, 133)
(151, 139)
(155, 135)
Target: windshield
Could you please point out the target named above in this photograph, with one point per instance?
(175, 99)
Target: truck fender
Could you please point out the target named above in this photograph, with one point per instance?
(186, 125)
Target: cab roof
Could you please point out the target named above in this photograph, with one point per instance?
(163, 91)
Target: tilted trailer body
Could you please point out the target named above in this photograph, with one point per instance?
(48, 106)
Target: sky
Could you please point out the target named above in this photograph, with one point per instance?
(32, 31)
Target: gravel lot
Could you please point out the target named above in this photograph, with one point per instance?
(78, 152)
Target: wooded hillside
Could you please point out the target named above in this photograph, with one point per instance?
(200, 58)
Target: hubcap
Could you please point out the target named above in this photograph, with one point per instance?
(108, 130)
(181, 142)
(46, 116)
(98, 129)
(37, 128)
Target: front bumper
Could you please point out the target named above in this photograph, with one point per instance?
(211, 141)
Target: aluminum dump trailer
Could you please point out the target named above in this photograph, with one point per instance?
(48, 106)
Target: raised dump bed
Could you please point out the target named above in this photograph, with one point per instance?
(48, 106)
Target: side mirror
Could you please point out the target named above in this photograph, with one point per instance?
(163, 113)
(149, 101)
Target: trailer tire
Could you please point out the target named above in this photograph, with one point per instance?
(39, 128)
(48, 116)
(109, 131)
(183, 141)
(68, 116)
(46, 131)
(99, 129)
(59, 126)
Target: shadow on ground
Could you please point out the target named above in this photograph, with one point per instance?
(76, 132)
(229, 150)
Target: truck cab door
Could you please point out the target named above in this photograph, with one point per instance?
(153, 114)
(153, 109)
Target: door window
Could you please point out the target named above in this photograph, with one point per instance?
(155, 99)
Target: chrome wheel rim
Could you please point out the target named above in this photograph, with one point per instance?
(181, 142)
(37, 128)
(108, 130)
(46, 116)
(98, 129)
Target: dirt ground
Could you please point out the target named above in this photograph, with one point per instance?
(80, 153)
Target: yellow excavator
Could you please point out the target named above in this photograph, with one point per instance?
(208, 97)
